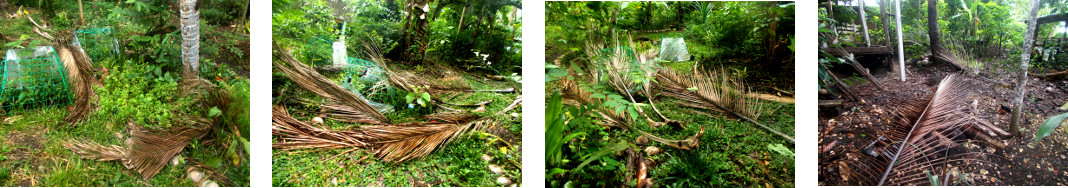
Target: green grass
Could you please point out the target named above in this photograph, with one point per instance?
(53, 165)
(457, 164)
(732, 153)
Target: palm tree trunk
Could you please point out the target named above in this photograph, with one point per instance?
(1021, 76)
(190, 39)
(932, 28)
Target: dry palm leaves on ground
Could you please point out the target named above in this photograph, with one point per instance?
(926, 145)
(77, 66)
(146, 151)
(390, 142)
(712, 91)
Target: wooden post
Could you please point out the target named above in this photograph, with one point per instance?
(1021, 76)
(900, 48)
(80, 12)
(864, 24)
(885, 19)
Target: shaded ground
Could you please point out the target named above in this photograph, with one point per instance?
(855, 124)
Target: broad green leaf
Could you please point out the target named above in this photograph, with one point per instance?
(214, 112)
(607, 149)
(1051, 124)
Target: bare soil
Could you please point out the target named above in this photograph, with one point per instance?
(855, 124)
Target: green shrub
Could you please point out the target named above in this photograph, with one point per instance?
(142, 93)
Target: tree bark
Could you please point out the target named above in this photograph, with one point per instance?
(932, 29)
(190, 39)
(1021, 76)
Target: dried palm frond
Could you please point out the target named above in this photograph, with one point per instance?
(77, 66)
(146, 151)
(713, 91)
(955, 54)
(686, 144)
(394, 142)
(307, 78)
(925, 142)
(622, 67)
(149, 151)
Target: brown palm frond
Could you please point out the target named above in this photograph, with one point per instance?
(393, 142)
(150, 150)
(77, 66)
(714, 91)
(955, 54)
(146, 151)
(96, 151)
(925, 142)
(307, 78)
(686, 144)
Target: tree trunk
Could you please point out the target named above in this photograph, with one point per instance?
(190, 39)
(415, 28)
(932, 29)
(1021, 76)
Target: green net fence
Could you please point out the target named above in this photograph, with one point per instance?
(33, 78)
(368, 73)
(97, 42)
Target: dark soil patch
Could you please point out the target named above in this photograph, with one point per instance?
(25, 156)
(855, 124)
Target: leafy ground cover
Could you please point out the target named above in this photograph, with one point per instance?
(601, 121)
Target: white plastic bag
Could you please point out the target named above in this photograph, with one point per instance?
(674, 49)
(340, 58)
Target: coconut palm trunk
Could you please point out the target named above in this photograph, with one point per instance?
(190, 38)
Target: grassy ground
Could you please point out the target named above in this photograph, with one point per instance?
(34, 155)
(457, 164)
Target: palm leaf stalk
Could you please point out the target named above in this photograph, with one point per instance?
(927, 139)
(306, 77)
(925, 144)
(713, 91)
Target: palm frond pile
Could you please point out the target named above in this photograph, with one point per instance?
(395, 142)
(926, 145)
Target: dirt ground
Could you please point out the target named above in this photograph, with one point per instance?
(855, 124)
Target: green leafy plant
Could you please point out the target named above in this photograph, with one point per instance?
(419, 97)
(1051, 124)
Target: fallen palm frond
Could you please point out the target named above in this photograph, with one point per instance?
(713, 91)
(686, 144)
(625, 70)
(924, 143)
(77, 65)
(958, 56)
(146, 151)
(307, 78)
(392, 142)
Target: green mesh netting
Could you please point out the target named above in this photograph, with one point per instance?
(97, 42)
(367, 72)
(33, 78)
